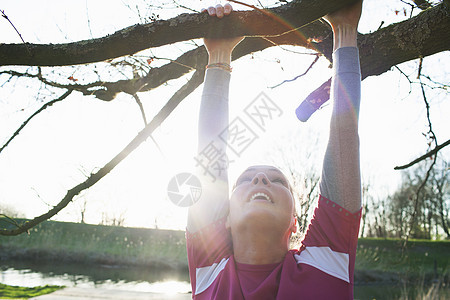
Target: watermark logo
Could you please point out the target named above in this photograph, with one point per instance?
(184, 189)
(262, 110)
(212, 161)
(238, 136)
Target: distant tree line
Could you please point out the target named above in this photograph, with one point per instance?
(419, 208)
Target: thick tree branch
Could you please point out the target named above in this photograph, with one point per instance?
(184, 91)
(379, 51)
(423, 35)
(184, 27)
(420, 36)
(191, 60)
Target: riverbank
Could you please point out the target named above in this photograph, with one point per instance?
(378, 260)
(67, 242)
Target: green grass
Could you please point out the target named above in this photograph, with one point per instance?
(74, 242)
(420, 258)
(18, 292)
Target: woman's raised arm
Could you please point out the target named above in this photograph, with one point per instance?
(211, 160)
(341, 180)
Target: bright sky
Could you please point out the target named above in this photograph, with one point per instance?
(73, 138)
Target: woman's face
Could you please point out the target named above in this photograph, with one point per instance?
(262, 197)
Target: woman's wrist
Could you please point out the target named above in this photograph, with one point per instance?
(219, 60)
(223, 66)
(221, 56)
(344, 36)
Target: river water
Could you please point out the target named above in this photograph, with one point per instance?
(109, 277)
(143, 279)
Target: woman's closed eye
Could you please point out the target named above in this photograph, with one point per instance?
(242, 180)
(279, 180)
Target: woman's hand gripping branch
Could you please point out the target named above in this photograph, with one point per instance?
(344, 23)
(219, 49)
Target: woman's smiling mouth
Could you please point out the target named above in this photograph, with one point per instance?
(260, 196)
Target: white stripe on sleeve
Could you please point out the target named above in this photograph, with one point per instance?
(205, 276)
(323, 258)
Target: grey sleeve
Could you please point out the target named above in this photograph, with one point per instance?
(341, 179)
(213, 117)
(211, 155)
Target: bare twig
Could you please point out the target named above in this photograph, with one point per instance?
(412, 8)
(247, 5)
(433, 137)
(6, 17)
(298, 76)
(40, 198)
(407, 78)
(427, 106)
(259, 2)
(88, 19)
(439, 85)
(185, 7)
(422, 4)
(419, 71)
(43, 107)
(141, 108)
(425, 156)
(417, 197)
(39, 76)
(10, 220)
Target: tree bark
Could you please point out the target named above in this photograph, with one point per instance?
(423, 35)
(184, 27)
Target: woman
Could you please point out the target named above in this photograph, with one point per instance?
(238, 245)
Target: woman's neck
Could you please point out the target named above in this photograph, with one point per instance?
(259, 248)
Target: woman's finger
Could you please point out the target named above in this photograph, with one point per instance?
(211, 11)
(219, 11)
(227, 9)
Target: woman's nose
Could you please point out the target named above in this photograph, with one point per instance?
(261, 178)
